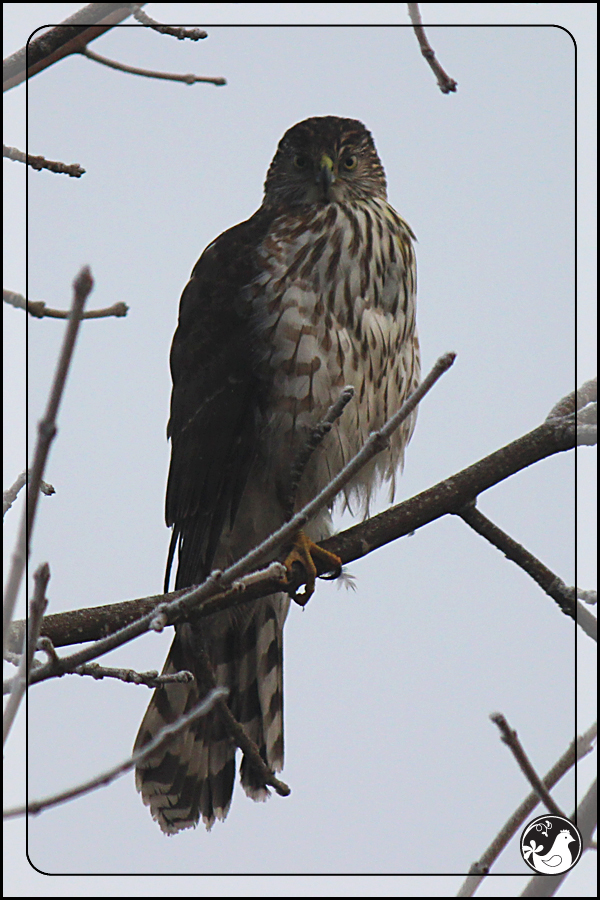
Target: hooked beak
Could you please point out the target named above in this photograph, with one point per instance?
(326, 176)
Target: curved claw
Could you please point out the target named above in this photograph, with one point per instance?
(306, 552)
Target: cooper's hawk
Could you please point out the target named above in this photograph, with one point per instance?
(315, 291)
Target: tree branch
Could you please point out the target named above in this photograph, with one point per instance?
(36, 613)
(576, 400)
(314, 439)
(130, 676)
(40, 162)
(150, 73)
(549, 582)
(39, 309)
(82, 287)
(447, 85)
(510, 738)
(10, 494)
(56, 43)
(190, 34)
(448, 496)
(217, 580)
(576, 751)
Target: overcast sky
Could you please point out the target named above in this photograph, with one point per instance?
(394, 766)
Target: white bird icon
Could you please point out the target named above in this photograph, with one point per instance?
(558, 859)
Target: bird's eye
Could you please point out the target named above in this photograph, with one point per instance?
(300, 162)
(350, 162)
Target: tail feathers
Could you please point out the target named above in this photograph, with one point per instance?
(260, 697)
(193, 776)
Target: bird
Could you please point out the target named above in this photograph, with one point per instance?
(315, 291)
(557, 859)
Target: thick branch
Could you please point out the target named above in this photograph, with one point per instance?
(448, 496)
(576, 400)
(47, 47)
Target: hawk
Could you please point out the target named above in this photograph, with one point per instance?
(313, 292)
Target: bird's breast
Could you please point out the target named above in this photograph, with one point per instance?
(335, 305)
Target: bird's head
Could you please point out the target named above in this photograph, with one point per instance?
(325, 159)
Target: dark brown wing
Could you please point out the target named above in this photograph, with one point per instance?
(216, 398)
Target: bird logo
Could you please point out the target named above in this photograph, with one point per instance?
(547, 850)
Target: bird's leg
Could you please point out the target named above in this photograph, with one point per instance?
(308, 554)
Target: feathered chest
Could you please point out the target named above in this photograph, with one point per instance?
(334, 304)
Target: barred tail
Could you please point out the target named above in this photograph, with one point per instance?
(193, 776)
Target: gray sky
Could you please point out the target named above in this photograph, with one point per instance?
(394, 765)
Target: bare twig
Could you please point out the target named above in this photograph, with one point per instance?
(36, 614)
(576, 751)
(549, 582)
(509, 736)
(39, 309)
(236, 731)
(46, 646)
(10, 494)
(191, 34)
(314, 439)
(46, 431)
(589, 597)
(447, 85)
(40, 162)
(149, 73)
(163, 737)
(130, 676)
(251, 751)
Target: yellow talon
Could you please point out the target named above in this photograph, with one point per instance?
(307, 553)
